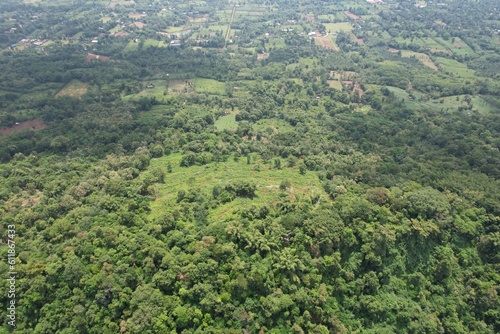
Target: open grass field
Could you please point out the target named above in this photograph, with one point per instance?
(294, 27)
(275, 43)
(114, 3)
(422, 57)
(483, 106)
(426, 42)
(335, 84)
(326, 18)
(150, 42)
(224, 16)
(311, 62)
(255, 7)
(131, 47)
(446, 104)
(277, 125)
(458, 47)
(227, 122)
(180, 86)
(74, 89)
(326, 42)
(454, 67)
(250, 12)
(116, 29)
(159, 87)
(200, 19)
(341, 26)
(151, 88)
(216, 28)
(209, 86)
(162, 44)
(172, 30)
(433, 46)
(204, 178)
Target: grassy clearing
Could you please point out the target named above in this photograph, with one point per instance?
(434, 46)
(216, 28)
(335, 84)
(454, 67)
(209, 86)
(180, 86)
(484, 106)
(249, 12)
(172, 30)
(131, 47)
(275, 43)
(422, 57)
(162, 44)
(427, 42)
(326, 42)
(204, 178)
(445, 104)
(457, 46)
(293, 27)
(308, 61)
(151, 88)
(115, 29)
(150, 42)
(227, 122)
(341, 26)
(114, 3)
(201, 19)
(327, 18)
(276, 125)
(74, 89)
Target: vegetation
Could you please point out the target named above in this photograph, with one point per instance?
(281, 167)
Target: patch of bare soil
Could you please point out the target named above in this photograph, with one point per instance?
(34, 125)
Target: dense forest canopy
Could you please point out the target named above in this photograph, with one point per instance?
(250, 166)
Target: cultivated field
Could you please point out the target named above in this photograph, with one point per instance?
(457, 46)
(326, 42)
(422, 57)
(180, 86)
(341, 26)
(209, 86)
(74, 89)
(454, 67)
(34, 125)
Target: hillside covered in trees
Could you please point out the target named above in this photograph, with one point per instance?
(249, 167)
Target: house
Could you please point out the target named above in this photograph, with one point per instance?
(175, 42)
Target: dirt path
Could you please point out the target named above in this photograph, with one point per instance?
(229, 25)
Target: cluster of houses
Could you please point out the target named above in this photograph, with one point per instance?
(30, 42)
